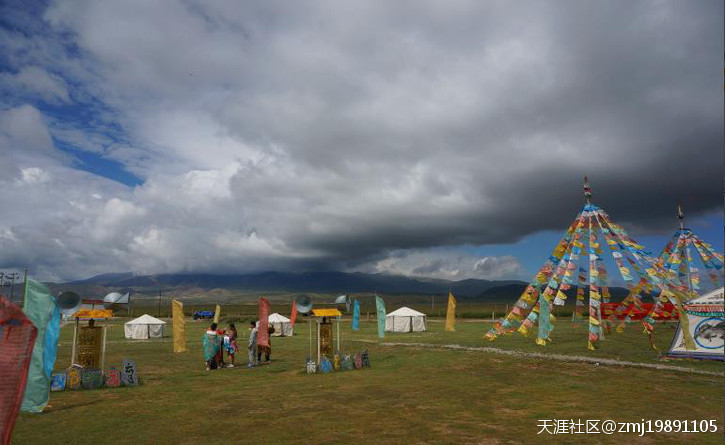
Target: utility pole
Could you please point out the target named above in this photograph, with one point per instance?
(159, 303)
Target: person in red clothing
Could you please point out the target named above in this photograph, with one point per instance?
(219, 357)
(230, 344)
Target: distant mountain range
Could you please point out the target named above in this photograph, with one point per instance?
(505, 291)
(323, 282)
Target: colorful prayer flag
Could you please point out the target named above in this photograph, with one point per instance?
(179, 326)
(217, 313)
(41, 309)
(356, 316)
(262, 328)
(293, 316)
(380, 308)
(451, 314)
(17, 338)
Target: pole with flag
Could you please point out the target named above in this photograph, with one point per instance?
(179, 326)
(217, 313)
(451, 314)
(293, 315)
(356, 316)
(380, 308)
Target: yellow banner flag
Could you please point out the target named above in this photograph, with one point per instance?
(217, 312)
(451, 314)
(179, 327)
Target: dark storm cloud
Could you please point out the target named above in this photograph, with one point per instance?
(340, 134)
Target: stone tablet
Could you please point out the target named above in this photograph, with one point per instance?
(347, 363)
(365, 359)
(325, 365)
(336, 362)
(129, 376)
(73, 379)
(113, 380)
(57, 381)
(91, 378)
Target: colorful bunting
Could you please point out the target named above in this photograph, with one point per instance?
(586, 236)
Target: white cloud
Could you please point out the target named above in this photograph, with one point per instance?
(446, 264)
(35, 81)
(34, 175)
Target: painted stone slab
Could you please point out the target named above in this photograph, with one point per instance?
(129, 375)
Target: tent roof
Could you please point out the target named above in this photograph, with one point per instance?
(277, 318)
(405, 312)
(146, 319)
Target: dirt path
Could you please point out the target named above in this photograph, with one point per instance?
(552, 357)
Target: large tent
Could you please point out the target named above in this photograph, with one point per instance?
(145, 327)
(405, 319)
(706, 325)
(281, 324)
(562, 270)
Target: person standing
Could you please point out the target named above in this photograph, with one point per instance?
(252, 347)
(230, 343)
(211, 345)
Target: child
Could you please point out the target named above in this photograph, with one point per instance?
(230, 343)
(252, 346)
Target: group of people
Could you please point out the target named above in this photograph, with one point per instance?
(217, 341)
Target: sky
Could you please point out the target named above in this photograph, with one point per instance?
(437, 139)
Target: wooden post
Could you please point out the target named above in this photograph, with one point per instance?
(73, 349)
(338, 334)
(318, 341)
(103, 346)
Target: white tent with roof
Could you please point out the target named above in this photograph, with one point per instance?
(145, 327)
(405, 319)
(281, 324)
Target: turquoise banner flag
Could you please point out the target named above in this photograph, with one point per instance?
(380, 307)
(356, 316)
(41, 309)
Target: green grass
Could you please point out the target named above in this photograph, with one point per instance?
(409, 395)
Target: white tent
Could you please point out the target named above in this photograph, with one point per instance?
(405, 319)
(145, 327)
(706, 325)
(281, 324)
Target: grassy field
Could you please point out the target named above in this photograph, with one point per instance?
(409, 395)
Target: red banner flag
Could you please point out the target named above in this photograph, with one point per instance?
(263, 327)
(17, 338)
(293, 317)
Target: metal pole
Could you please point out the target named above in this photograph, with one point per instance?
(12, 285)
(159, 302)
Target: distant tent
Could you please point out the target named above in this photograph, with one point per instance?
(145, 327)
(405, 319)
(281, 324)
(706, 324)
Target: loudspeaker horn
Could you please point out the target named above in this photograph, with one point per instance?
(343, 299)
(303, 304)
(68, 302)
